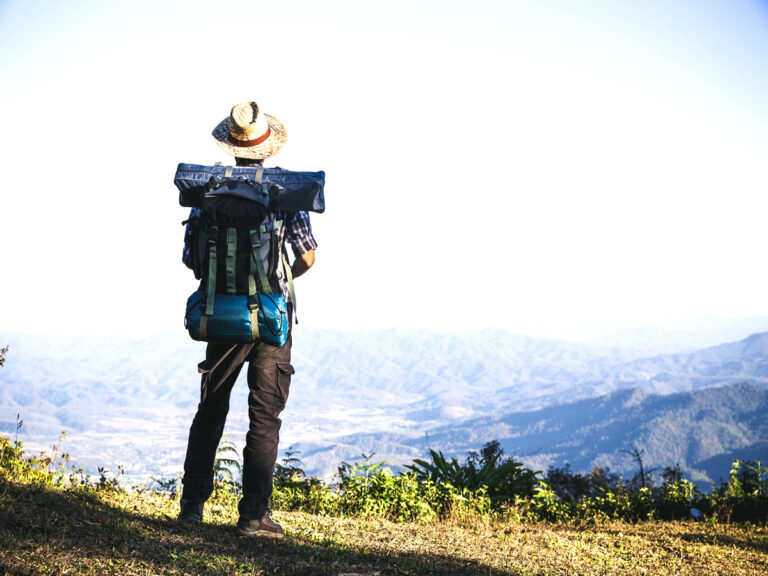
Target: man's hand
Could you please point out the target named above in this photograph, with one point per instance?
(303, 263)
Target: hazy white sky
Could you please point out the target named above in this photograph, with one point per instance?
(496, 163)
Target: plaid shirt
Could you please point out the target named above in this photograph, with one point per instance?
(298, 233)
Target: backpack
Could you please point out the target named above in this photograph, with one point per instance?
(234, 251)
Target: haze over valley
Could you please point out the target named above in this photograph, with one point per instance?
(395, 393)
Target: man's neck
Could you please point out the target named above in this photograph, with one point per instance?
(248, 162)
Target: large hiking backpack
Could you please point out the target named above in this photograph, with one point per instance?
(235, 252)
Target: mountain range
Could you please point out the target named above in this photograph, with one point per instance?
(130, 401)
(703, 431)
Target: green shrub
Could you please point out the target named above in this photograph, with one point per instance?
(744, 497)
(676, 499)
(14, 466)
(574, 485)
(381, 493)
(373, 490)
(641, 505)
(302, 494)
(547, 505)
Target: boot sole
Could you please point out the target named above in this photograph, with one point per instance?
(190, 520)
(259, 534)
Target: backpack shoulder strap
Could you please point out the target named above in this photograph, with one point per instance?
(257, 263)
(289, 277)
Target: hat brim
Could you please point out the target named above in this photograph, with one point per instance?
(271, 146)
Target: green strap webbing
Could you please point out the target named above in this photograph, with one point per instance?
(210, 290)
(256, 259)
(255, 323)
(230, 262)
(271, 226)
(252, 278)
(203, 327)
(253, 301)
(289, 277)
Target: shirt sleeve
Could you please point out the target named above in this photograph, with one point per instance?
(299, 234)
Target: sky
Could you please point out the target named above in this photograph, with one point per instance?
(517, 165)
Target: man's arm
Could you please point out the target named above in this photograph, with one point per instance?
(303, 263)
(299, 234)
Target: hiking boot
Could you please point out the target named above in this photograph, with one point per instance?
(263, 526)
(191, 513)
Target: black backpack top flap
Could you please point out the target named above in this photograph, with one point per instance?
(232, 211)
(238, 188)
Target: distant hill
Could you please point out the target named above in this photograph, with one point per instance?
(726, 363)
(692, 428)
(703, 431)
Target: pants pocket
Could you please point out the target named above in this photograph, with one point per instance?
(284, 372)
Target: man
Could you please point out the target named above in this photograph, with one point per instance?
(250, 137)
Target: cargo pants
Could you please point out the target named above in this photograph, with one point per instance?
(269, 378)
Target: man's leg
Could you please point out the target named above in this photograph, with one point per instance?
(269, 379)
(222, 364)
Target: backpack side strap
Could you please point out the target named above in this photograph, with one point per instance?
(210, 290)
(230, 262)
(253, 299)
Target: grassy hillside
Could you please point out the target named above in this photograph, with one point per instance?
(72, 528)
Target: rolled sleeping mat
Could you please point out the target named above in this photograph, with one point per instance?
(298, 190)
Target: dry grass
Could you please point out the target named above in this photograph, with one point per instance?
(52, 531)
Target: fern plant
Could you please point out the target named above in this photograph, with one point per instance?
(440, 470)
(502, 477)
(227, 459)
(291, 467)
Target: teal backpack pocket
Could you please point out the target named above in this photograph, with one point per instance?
(238, 319)
(273, 319)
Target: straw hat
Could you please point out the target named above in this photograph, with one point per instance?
(248, 133)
